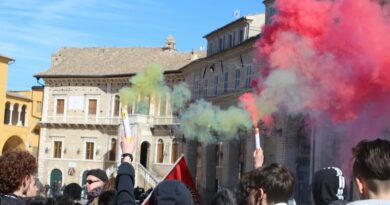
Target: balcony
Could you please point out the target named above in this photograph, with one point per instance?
(115, 120)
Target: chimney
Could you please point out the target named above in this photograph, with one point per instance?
(170, 44)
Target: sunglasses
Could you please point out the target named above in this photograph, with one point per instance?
(91, 181)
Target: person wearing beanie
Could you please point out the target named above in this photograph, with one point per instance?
(329, 187)
(171, 192)
(72, 192)
(96, 178)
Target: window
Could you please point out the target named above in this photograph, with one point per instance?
(160, 151)
(163, 105)
(39, 106)
(248, 79)
(234, 38)
(196, 89)
(206, 84)
(216, 85)
(92, 103)
(224, 43)
(60, 106)
(211, 48)
(226, 83)
(241, 37)
(220, 44)
(113, 150)
(143, 105)
(57, 149)
(117, 105)
(174, 151)
(89, 146)
(130, 109)
(230, 41)
(237, 81)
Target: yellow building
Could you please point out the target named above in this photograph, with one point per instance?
(20, 112)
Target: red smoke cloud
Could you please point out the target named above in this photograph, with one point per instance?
(335, 55)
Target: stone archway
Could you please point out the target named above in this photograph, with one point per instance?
(55, 182)
(14, 142)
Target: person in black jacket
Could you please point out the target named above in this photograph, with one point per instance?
(16, 177)
(329, 187)
(125, 176)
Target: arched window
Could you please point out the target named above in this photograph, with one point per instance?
(23, 115)
(144, 155)
(160, 151)
(15, 114)
(113, 150)
(6, 113)
(117, 105)
(175, 154)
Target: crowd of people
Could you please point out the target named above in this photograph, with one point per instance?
(271, 184)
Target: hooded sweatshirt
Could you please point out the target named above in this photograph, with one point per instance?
(329, 187)
(171, 192)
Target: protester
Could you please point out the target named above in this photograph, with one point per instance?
(329, 187)
(223, 197)
(273, 184)
(244, 189)
(72, 192)
(16, 177)
(258, 158)
(371, 171)
(107, 197)
(171, 192)
(125, 176)
(108, 192)
(96, 178)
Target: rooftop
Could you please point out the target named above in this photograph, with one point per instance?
(111, 61)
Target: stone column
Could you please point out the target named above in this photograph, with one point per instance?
(208, 184)
(231, 161)
(19, 111)
(189, 151)
(11, 109)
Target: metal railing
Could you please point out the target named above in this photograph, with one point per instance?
(83, 120)
(116, 120)
(146, 175)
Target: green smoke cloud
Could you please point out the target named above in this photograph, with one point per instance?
(150, 83)
(180, 96)
(207, 123)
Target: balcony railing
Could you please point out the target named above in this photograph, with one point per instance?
(82, 120)
(133, 118)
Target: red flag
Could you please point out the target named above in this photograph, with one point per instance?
(181, 173)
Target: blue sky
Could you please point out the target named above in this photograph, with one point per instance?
(32, 30)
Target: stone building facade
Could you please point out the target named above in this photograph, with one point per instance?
(81, 122)
(220, 78)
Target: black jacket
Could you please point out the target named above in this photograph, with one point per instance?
(125, 185)
(10, 199)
